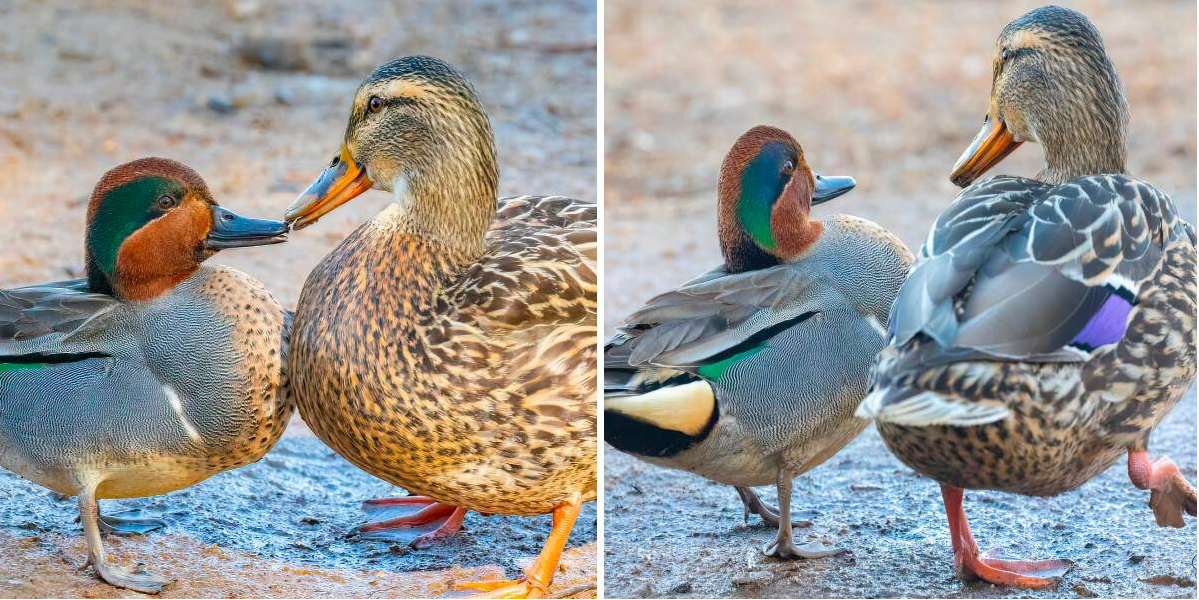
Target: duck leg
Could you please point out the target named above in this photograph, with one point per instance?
(754, 504)
(540, 574)
(446, 518)
(784, 544)
(1030, 574)
(139, 580)
(1171, 492)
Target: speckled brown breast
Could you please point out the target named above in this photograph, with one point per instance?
(260, 339)
(1062, 430)
(475, 385)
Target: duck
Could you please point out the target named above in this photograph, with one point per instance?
(448, 345)
(1047, 324)
(750, 374)
(83, 360)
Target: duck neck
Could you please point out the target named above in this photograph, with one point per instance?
(451, 205)
(1087, 137)
(740, 252)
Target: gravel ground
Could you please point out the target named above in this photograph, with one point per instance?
(891, 94)
(254, 96)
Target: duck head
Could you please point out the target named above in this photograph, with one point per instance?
(416, 130)
(766, 191)
(1054, 85)
(151, 222)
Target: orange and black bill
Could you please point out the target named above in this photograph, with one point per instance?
(339, 183)
(991, 145)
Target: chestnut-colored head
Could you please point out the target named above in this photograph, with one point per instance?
(1054, 85)
(417, 130)
(151, 222)
(766, 192)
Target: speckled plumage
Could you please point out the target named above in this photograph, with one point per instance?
(1048, 324)
(448, 345)
(1045, 425)
(472, 385)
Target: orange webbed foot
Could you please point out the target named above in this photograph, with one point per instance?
(1170, 493)
(512, 588)
(990, 567)
(1028, 574)
(444, 518)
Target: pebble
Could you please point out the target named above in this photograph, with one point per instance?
(275, 54)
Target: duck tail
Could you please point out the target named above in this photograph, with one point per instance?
(916, 408)
(661, 422)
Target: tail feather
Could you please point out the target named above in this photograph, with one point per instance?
(915, 408)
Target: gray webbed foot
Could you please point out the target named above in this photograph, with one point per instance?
(138, 580)
(784, 543)
(787, 549)
(128, 522)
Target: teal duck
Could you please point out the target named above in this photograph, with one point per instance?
(153, 373)
(749, 375)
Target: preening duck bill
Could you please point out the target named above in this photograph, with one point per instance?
(231, 230)
(829, 187)
(343, 180)
(991, 145)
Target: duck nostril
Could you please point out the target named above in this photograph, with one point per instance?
(336, 160)
(227, 217)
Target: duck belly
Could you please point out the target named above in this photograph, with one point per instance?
(1022, 455)
(726, 456)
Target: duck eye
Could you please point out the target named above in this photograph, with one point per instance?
(1007, 54)
(167, 202)
(375, 104)
(788, 167)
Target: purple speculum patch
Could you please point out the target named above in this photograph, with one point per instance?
(1106, 326)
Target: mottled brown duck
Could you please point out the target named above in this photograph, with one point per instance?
(448, 345)
(1048, 325)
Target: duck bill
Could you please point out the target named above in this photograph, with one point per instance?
(992, 144)
(829, 187)
(341, 182)
(231, 230)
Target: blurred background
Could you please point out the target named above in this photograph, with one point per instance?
(254, 95)
(890, 93)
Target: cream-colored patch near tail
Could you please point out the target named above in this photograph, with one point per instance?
(683, 408)
(177, 406)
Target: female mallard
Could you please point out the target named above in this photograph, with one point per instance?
(445, 346)
(1048, 324)
(749, 375)
(81, 361)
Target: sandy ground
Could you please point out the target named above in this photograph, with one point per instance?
(254, 95)
(890, 93)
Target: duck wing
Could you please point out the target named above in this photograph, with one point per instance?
(539, 269)
(715, 315)
(42, 319)
(1022, 271)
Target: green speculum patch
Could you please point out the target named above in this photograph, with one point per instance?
(123, 210)
(716, 370)
(8, 367)
(761, 184)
